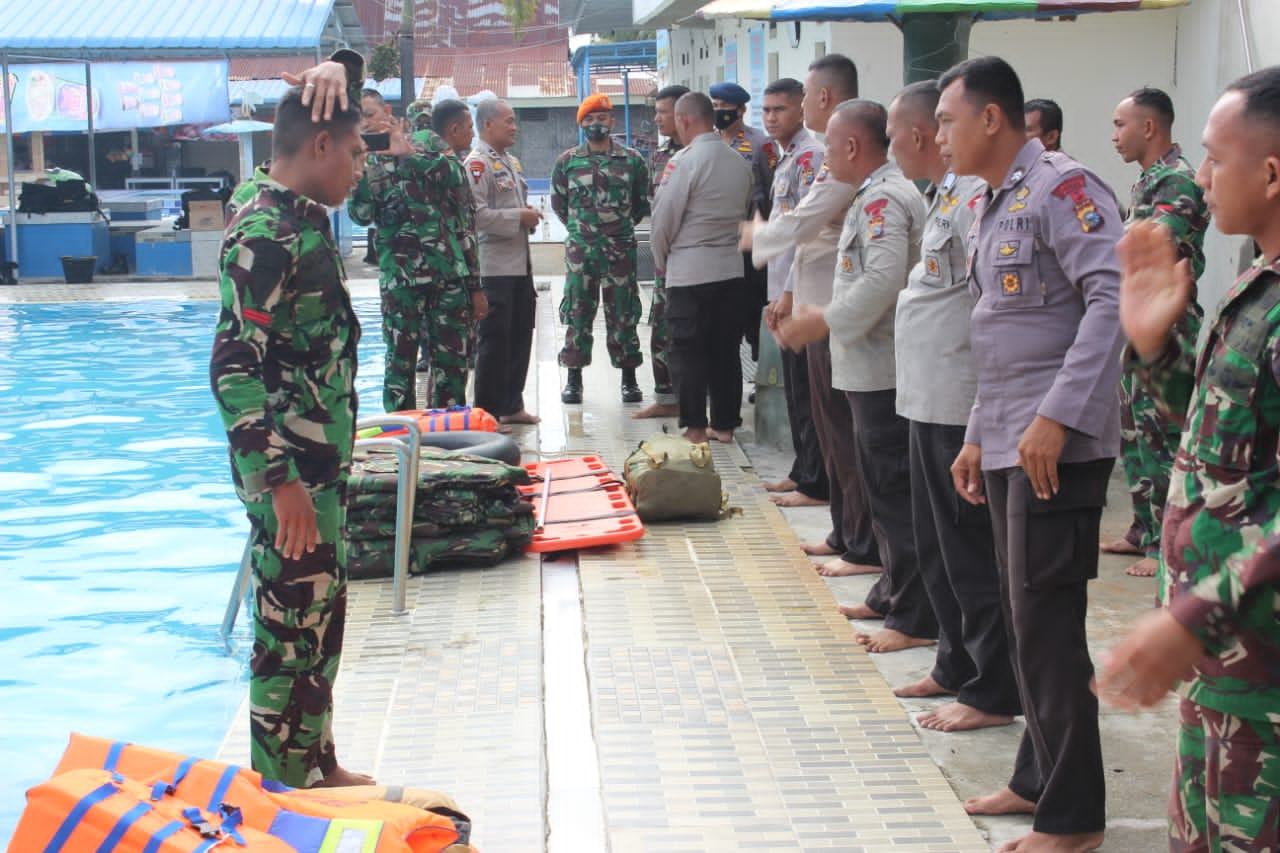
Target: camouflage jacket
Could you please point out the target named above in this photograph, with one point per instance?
(284, 352)
(658, 161)
(421, 204)
(1167, 192)
(1220, 560)
(600, 194)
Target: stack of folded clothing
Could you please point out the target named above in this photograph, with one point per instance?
(468, 512)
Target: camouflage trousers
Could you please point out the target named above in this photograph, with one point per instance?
(300, 609)
(660, 345)
(437, 315)
(1149, 442)
(587, 274)
(1226, 783)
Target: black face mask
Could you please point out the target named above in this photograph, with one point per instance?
(725, 118)
(596, 132)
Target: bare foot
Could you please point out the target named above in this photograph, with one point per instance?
(724, 436)
(696, 435)
(922, 689)
(859, 611)
(1044, 842)
(1003, 801)
(956, 717)
(657, 410)
(521, 417)
(889, 640)
(343, 778)
(795, 499)
(839, 568)
(1144, 568)
(822, 549)
(1120, 546)
(786, 484)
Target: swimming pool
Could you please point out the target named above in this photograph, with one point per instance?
(120, 533)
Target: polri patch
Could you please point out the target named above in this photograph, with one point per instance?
(875, 218)
(477, 170)
(805, 162)
(1085, 209)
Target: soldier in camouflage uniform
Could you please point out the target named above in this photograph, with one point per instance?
(417, 195)
(283, 376)
(600, 190)
(1165, 192)
(1217, 638)
(664, 395)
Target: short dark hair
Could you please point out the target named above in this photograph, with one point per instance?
(870, 116)
(923, 95)
(670, 93)
(446, 113)
(989, 80)
(294, 128)
(1261, 91)
(1050, 114)
(372, 93)
(788, 86)
(1156, 100)
(840, 73)
(696, 105)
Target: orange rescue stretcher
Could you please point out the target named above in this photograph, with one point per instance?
(579, 503)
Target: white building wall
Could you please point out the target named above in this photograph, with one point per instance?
(1087, 65)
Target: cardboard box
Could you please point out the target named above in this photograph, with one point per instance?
(205, 216)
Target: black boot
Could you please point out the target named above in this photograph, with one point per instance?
(572, 392)
(630, 390)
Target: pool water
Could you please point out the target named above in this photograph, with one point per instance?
(120, 533)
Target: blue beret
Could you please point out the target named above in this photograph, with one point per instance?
(731, 92)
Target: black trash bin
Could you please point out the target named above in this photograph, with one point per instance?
(78, 269)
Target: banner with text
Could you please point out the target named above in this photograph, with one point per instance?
(55, 96)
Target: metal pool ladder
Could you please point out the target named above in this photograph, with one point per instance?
(407, 447)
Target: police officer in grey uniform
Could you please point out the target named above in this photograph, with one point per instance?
(936, 385)
(878, 247)
(761, 153)
(504, 221)
(694, 235)
(1044, 431)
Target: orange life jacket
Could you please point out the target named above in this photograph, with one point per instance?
(153, 801)
(439, 420)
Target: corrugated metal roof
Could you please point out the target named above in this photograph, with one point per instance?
(225, 25)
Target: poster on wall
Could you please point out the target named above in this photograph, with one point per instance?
(662, 48)
(56, 96)
(730, 60)
(756, 75)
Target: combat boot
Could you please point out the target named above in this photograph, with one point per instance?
(572, 392)
(630, 389)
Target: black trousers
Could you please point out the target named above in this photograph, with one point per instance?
(852, 536)
(503, 341)
(809, 471)
(757, 289)
(1047, 552)
(882, 438)
(958, 566)
(705, 322)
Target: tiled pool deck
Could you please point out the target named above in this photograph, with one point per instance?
(695, 690)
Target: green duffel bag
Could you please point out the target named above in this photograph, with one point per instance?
(668, 476)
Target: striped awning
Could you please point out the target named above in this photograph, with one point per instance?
(888, 10)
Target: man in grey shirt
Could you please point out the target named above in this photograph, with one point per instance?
(936, 385)
(1044, 431)
(694, 238)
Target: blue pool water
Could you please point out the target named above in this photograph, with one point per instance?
(120, 534)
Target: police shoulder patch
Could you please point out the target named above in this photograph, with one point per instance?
(477, 170)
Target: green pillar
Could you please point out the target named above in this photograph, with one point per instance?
(932, 42)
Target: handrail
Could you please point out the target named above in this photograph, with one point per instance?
(409, 452)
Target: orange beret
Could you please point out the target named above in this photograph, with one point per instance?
(594, 104)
